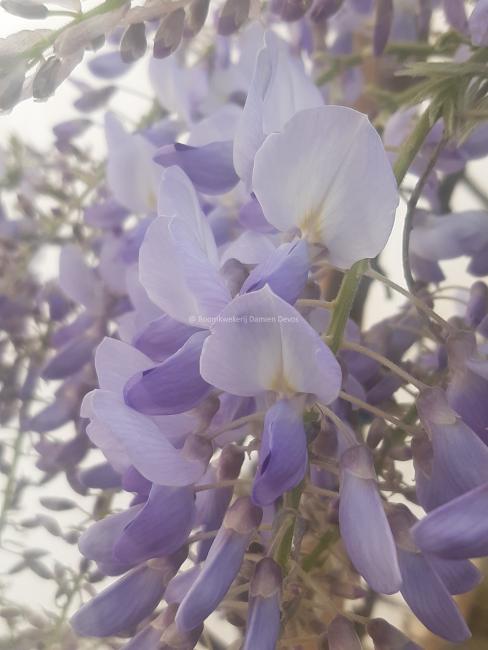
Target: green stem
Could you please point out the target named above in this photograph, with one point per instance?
(36, 51)
(413, 142)
(344, 303)
(292, 502)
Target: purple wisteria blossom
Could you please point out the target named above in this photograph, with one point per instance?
(253, 435)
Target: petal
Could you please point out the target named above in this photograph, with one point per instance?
(132, 175)
(201, 276)
(478, 24)
(261, 343)
(221, 566)
(108, 66)
(116, 362)
(279, 88)
(71, 358)
(341, 635)
(460, 458)
(459, 576)
(53, 416)
(285, 271)
(364, 528)
(458, 529)
(108, 214)
(101, 477)
(103, 438)
(180, 584)
(177, 198)
(96, 543)
(429, 599)
(263, 622)
(162, 337)
(455, 13)
(158, 261)
(466, 394)
(78, 281)
(283, 454)
(174, 253)
(387, 637)
(249, 248)
(160, 528)
(116, 608)
(210, 168)
(212, 504)
(347, 153)
(150, 452)
(172, 387)
(444, 237)
(147, 639)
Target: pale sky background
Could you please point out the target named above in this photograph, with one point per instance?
(32, 121)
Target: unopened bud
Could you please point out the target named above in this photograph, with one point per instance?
(267, 579)
(477, 307)
(47, 78)
(133, 44)
(230, 463)
(233, 15)
(291, 10)
(342, 635)
(376, 433)
(11, 84)
(169, 34)
(387, 637)
(25, 9)
(324, 9)
(243, 516)
(197, 448)
(197, 14)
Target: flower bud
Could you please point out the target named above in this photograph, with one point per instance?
(197, 13)
(229, 463)
(263, 623)
(133, 44)
(387, 637)
(11, 84)
(291, 10)
(342, 635)
(47, 78)
(25, 9)
(233, 15)
(477, 307)
(323, 9)
(363, 524)
(169, 34)
(221, 566)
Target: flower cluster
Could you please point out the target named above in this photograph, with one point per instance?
(204, 333)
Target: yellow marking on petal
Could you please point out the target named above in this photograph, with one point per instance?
(281, 385)
(311, 227)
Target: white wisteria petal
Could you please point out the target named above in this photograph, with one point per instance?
(327, 175)
(175, 245)
(279, 89)
(116, 362)
(132, 175)
(177, 198)
(261, 343)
